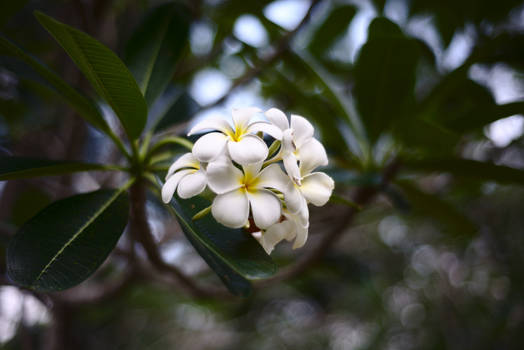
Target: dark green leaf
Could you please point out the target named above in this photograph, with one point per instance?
(105, 71)
(468, 168)
(23, 167)
(67, 241)
(385, 77)
(83, 106)
(173, 107)
(432, 206)
(379, 5)
(335, 24)
(154, 49)
(233, 254)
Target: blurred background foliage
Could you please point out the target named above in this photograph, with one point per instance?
(419, 104)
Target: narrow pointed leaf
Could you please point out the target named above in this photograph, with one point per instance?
(82, 105)
(24, 167)
(153, 51)
(105, 71)
(67, 241)
(234, 255)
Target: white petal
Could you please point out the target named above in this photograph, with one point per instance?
(311, 155)
(231, 209)
(242, 116)
(288, 146)
(277, 117)
(252, 170)
(302, 129)
(250, 149)
(185, 161)
(266, 208)
(209, 146)
(317, 188)
(291, 166)
(273, 177)
(301, 236)
(211, 124)
(223, 177)
(192, 184)
(275, 234)
(170, 186)
(267, 128)
(301, 217)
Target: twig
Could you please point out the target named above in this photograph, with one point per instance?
(281, 47)
(142, 232)
(363, 196)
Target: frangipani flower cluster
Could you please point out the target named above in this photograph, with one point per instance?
(252, 189)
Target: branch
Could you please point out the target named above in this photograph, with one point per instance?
(363, 196)
(142, 231)
(280, 48)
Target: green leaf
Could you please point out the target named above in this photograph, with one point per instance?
(105, 71)
(335, 24)
(83, 106)
(385, 77)
(24, 167)
(468, 168)
(233, 254)
(175, 106)
(155, 47)
(432, 206)
(67, 241)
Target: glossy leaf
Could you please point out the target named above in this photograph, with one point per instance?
(233, 254)
(385, 77)
(153, 51)
(67, 241)
(468, 168)
(105, 71)
(430, 205)
(24, 167)
(82, 105)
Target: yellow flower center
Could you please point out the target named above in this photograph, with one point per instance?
(249, 182)
(237, 135)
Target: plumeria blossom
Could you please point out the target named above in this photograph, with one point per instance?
(240, 140)
(186, 174)
(298, 144)
(250, 189)
(240, 192)
(295, 226)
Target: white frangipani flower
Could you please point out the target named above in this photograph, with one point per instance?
(298, 145)
(238, 191)
(187, 175)
(232, 162)
(295, 226)
(241, 143)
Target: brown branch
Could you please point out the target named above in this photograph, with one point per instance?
(280, 48)
(141, 230)
(362, 197)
